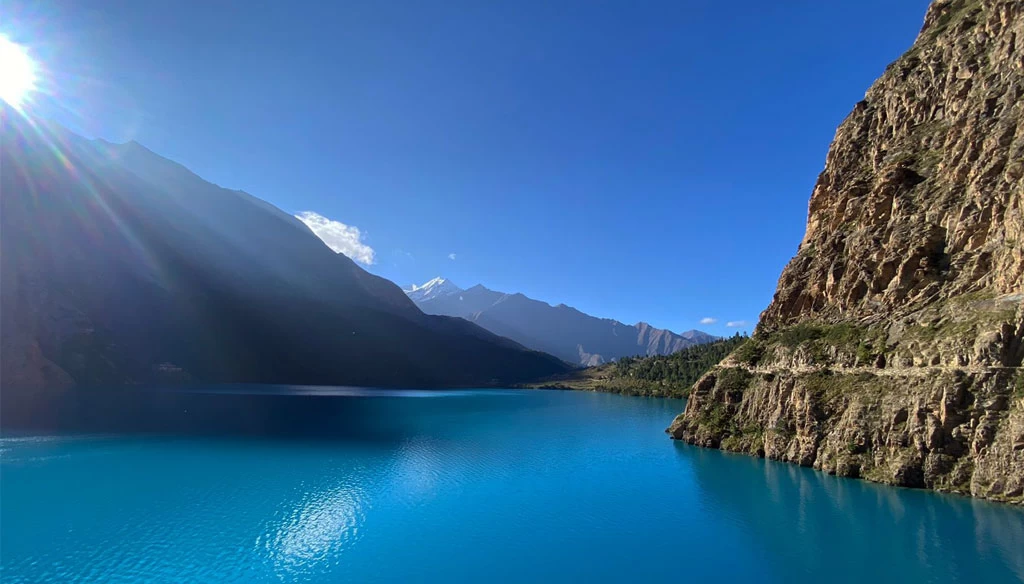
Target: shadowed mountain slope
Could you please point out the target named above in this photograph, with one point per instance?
(122, 267)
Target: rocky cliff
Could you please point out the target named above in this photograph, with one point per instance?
(892, 348)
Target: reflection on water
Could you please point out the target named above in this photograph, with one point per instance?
(325, 391)
(877, 526)
(471, 486)
(310, 536)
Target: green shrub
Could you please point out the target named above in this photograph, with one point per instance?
(799, 334)
(714, 418)
(734, 379)
(783, 429)
(750, 352)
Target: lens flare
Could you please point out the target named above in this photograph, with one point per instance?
(17, 72)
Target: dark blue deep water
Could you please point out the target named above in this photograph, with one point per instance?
(468, 486)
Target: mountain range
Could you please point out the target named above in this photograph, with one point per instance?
(563, 331)
(122, 267)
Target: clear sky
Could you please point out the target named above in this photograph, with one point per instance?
(639, 160)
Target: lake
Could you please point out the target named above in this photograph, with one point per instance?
(461, 486)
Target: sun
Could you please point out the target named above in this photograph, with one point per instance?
(17, 72)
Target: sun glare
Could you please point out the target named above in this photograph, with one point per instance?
(17, 72)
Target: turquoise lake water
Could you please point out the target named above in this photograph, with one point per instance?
(470, 486)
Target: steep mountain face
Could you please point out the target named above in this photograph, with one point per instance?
(563, 331)
(892, 348)
(121, 267)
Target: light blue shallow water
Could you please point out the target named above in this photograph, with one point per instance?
(472, 487)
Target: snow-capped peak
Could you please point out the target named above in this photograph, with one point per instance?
(439, 281)
(433, 289)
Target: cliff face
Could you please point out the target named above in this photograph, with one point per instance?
(893, 345)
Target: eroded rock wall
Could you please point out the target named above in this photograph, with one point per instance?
(892, 347)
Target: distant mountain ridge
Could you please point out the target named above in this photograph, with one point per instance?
(121, 267)
(561, 330)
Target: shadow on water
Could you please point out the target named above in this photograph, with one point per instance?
(798, 514)
(273, 412)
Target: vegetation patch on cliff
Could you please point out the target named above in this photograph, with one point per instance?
(814, 343)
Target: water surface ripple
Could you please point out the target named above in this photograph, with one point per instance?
(467, 486)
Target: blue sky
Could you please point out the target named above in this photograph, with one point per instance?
(637, 160)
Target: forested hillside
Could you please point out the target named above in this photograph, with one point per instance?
(656, 376)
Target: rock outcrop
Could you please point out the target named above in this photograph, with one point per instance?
(892, 348)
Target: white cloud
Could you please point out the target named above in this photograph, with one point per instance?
(708, 320)
(736, 323)
(451, 256)
(344, 239)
